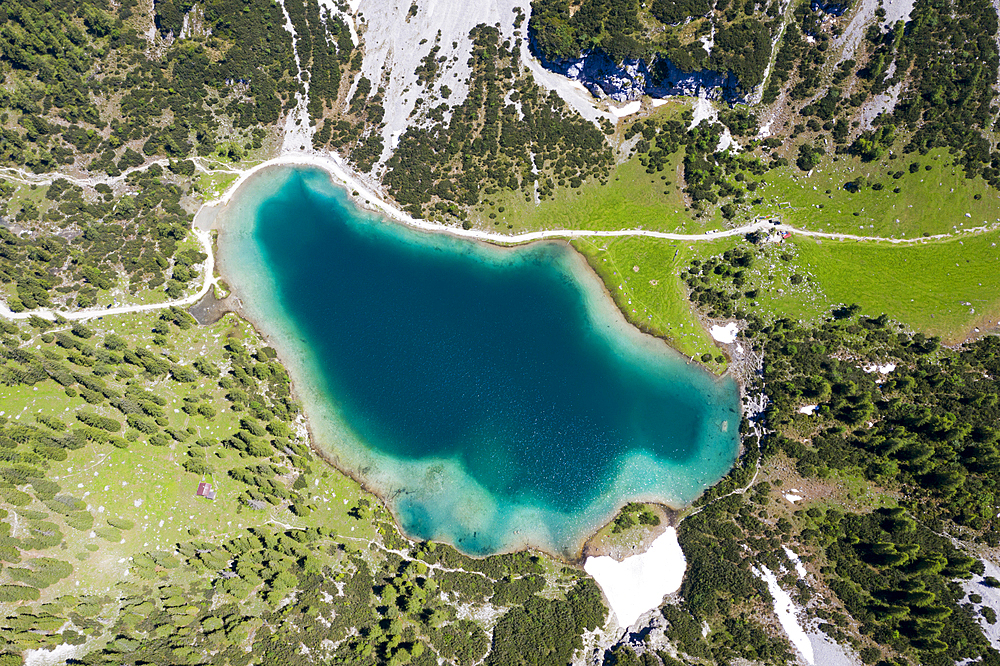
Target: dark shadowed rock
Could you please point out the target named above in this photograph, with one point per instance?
(831, 8)
(634, 78)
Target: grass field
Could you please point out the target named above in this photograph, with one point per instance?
(944, 288)
(653, 297)
(923, 286)
(211, 186)
(947, 288)
(630, 199)
(929, 202)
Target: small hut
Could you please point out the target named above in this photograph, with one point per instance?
(205, 490)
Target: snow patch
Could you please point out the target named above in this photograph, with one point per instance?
(807, 409)
(792, 497)
(786, 611)
(881, 369)
(726, 334)
(60, 654)
(726, 141)
(627, 110)
(991, 598)
(394, 138)
(708, 41)
(796, 561)
(639, 583)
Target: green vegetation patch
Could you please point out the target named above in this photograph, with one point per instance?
(652, 298)
(941, 288)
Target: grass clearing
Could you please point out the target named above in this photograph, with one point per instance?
(653, 298)
(212, 185)
(631, 199)
(943, 288)
(947, 287)
(929, 202)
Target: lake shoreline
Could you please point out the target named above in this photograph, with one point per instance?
(366, 199)
(289, 358)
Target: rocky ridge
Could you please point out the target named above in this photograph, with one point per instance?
(635, 78)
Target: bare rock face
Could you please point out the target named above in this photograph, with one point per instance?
(634, 78)
(829, 7)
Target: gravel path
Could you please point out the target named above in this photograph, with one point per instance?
(343, 176)
(78, 315)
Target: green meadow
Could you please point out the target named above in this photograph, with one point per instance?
(947, 287)
(935, 201)
(631, 199)
(944, 288)
(641, 274)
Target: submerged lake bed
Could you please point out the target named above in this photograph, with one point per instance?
(495, 398)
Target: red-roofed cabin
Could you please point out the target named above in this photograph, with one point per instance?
(204, 489)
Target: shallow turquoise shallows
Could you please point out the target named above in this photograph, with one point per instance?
(494, 397)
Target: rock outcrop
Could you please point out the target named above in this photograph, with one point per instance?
(831, 8)
(634, 78)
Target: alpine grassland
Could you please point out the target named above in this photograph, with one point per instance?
(641, 275)
(940, 287)
(906, 196)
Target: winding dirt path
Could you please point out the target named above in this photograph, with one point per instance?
(209, 269)
(342, 175)
(31, 178)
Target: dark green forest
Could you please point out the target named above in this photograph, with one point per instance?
(927, 434)
(89, 90)
(620, 29)
(487, 145)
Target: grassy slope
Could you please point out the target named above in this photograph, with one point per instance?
(930, 202)
(631, 198)
(924, 286)
(653, 298)
(919, 285)
(146, 484)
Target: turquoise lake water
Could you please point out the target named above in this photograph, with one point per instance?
(494, 397)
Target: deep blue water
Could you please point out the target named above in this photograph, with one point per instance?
(452, 367)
